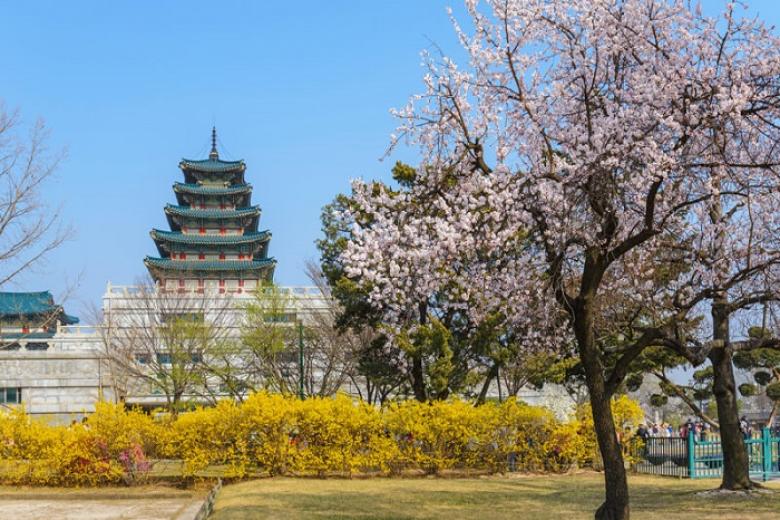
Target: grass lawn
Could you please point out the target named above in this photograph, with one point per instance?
(526, 497)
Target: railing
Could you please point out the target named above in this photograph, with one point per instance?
(302, 290)
(694, 458)
(666, 456)
(83, 330)
(294, 290)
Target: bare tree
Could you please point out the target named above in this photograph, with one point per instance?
(160, 342)
(29, 228)
(337, 359)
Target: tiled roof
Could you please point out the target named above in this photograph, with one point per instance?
(208, 265)
(30, 304)
(186, 211)
(212, 165)
(199, 189)
(181, 238)
(25, 303)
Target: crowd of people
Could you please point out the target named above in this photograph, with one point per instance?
(701, 430)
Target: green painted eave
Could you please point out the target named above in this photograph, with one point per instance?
(210, 214)
(212, 165)
(177, 237)
(27, 335)
(209, 265)
(28, 304)
(199, 189)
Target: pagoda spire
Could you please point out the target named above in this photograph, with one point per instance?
(214, 154)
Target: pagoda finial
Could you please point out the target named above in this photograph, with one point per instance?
(213, 154)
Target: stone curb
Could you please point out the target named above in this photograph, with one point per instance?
(207, 507)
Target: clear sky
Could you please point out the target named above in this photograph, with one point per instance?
(299, 90)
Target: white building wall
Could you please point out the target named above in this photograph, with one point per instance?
(67, 380)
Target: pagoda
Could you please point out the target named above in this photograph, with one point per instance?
(213, 243)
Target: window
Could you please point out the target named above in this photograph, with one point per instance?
(173, 317)
(9, 346)
(287, 356)
(142, 359)
(197, 358)
(164, 359)
(10, 395)
(37, 346)
(280, 317)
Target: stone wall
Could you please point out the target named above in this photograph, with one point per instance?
(62, 385)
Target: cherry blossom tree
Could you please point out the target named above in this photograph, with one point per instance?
(438, 348)
(581, 141)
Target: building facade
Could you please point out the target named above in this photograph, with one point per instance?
(48, 364)
(211, 262)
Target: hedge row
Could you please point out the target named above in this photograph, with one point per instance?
(271, 434)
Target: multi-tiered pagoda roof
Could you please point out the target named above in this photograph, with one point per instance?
(213, 228)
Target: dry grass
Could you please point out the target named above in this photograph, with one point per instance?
(526, 497)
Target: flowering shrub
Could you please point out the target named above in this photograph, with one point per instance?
(107, 448)
(627, 415)
(271, 434)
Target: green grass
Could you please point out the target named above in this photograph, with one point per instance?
(526, 497)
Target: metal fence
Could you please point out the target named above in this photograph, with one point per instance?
(693, 458)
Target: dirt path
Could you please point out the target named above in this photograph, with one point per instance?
(134, 509)
(82, 506)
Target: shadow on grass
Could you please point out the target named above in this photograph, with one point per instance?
(532, 498)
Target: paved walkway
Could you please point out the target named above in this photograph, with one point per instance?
(184, 508)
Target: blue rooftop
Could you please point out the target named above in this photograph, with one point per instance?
(186, 211)
(200, 189)
(197, 239)
(212, 165)
(23, 304)
(206, 265)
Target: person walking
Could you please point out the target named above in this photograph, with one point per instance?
(745, 428)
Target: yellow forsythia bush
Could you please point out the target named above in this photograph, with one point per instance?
(110, 447)
(272, 434)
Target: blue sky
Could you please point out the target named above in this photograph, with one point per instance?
(300, 90)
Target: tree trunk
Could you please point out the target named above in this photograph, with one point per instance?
(615, 506)
(418, 373)
(735, 460)
(770, 422)
(491, 375)
(418, 379)
(736, 474)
